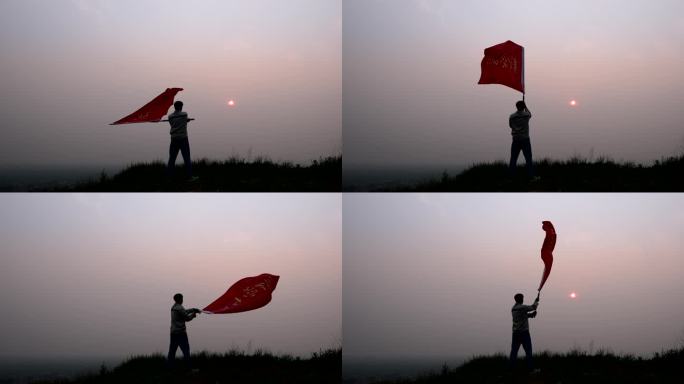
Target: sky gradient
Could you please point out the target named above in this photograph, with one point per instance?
(87, 276)
(411, 67)
(433, 275)
(70, 67)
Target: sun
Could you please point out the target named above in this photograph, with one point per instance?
(573, 295)
(573, 103)
(231, 103)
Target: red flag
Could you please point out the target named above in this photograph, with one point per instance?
(504, 64)
(247, 294)
(547, 250)
(152, 111)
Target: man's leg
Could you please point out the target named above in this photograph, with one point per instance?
(173, 154)
(173, 346)
(185, 151)
(515, 346)
(527, 152)
(515, 152)
(184, 346)
(527, 346)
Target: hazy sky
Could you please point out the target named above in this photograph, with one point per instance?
(434, 275)
(70, 67)
(411, 68)
(94, 275)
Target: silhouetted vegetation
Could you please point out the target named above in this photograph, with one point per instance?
(573, 367)
(574, 175)
(238, 175)
(233, 367)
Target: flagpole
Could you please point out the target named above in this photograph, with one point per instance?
(160, 121)
(523, 71)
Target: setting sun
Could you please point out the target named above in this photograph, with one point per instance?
(573, 103)
(573, 295)
(231, 103)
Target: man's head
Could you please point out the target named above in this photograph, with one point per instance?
(178, 105)
(178, 298)
(520, 105)
(518, 298)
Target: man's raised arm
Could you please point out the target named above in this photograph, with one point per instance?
(535, 304)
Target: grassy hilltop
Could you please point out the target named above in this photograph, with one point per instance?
(574, 175)
(232, 367)
(575, 367)
(233, 175)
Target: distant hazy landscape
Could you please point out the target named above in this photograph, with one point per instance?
(357, 370)
(370, 178)
(25, 370)
(15, 179)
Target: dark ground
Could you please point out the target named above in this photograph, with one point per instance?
(234, 175)
(571, 368)
(574, 175)
(232, 367)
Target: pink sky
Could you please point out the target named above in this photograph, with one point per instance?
(411, 69)
(433, 275)
(94, 275)
(71, 67)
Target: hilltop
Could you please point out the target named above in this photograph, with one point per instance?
(232, 175)
(574, 175)
(573, 367)
(233, 367)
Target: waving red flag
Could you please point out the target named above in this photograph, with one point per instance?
(547, 250)
(154, 110)
(245, 295)
(504, 64)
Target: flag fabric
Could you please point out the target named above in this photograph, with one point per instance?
(547, 250)
(504, 64)
(154, 110)
(245, 295)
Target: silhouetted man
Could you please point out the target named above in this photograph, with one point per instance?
(179, 138)
(521, 328)
(519, 121)
(179, 336)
